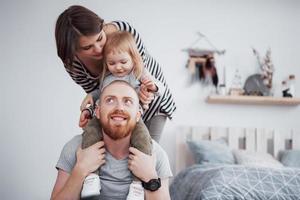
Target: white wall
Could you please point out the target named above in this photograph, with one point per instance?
(40, 103)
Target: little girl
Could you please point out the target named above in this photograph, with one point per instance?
(122, 61)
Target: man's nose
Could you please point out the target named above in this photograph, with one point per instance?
(120, 106)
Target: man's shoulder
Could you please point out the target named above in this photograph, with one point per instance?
(73, 144)
(162, 161)
(157, 149)
(67, 157)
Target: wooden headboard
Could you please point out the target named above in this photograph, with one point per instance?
(251, 139)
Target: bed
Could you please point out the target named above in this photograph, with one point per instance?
(218, 176)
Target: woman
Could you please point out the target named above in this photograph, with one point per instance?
(80, 36)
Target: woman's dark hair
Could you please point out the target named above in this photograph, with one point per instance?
(70, 25)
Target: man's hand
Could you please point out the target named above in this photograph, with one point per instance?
(91, 158)
(142, 165)
(84, 118)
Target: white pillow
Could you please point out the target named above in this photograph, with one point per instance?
(255, 159)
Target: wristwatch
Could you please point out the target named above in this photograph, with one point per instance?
(152, 185)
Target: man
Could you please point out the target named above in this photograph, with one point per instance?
(118, 112)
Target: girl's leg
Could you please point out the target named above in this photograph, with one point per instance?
(91, 134)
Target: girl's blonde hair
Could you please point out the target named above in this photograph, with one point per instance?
(122, 41)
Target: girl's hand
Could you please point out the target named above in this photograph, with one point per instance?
(88, 100)
(149, 84)
(145, 96)
(91, 158)
(142, 165)
(84, 118)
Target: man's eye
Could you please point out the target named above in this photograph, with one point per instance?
(109, 100)
(128, 102)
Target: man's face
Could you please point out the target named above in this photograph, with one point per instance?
(118, 110)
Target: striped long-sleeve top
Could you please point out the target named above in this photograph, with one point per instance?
(161, 105)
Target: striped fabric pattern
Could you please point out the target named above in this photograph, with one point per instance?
(163, 104)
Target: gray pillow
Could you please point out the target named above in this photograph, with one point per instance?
(290, 158)
(256, 159)
(215, 152)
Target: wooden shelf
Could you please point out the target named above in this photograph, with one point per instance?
(258, 100)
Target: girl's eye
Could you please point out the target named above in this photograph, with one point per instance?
(124, 62)
(111, 63)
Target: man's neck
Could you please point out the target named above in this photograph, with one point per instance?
(119, 149)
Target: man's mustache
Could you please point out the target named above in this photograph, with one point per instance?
(122, 113)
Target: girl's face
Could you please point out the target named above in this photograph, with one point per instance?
(119, 63)
(91, 47)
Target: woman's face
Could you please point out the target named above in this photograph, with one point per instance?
(119, 63)
(91, 47)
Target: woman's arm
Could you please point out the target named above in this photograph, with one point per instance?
(80, 76)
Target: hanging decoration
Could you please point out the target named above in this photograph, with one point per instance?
(201, 62)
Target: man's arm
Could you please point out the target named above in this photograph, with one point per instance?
(68, 186)
(143, 166)
(161, 193)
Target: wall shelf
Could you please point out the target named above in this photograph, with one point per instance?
(256, 100)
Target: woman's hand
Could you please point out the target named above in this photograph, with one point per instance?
(142, 165)
(91, 158)
(87, 101)
(84, 118)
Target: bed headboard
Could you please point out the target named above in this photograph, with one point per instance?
(251, 139)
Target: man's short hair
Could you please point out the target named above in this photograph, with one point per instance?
(117, 80)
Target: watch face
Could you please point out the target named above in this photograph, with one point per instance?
(152, 185)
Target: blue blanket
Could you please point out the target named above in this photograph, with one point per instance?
(207, 182)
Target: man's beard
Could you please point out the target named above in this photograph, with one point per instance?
(117, 131)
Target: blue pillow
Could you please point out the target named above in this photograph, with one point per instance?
(215, 152)
(290, 158)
